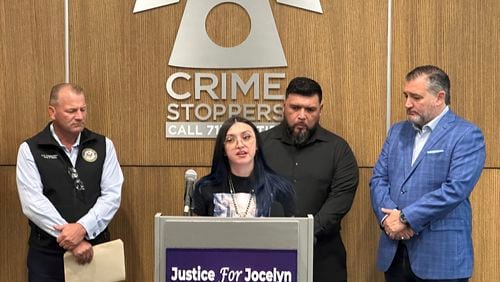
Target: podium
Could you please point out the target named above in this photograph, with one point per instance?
(233, 249)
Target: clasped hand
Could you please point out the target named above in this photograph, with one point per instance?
(71, 238)
(83, 252)
(393, 226)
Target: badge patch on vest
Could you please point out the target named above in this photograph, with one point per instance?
(90, 155)
(49, 157)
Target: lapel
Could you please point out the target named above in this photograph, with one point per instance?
(408, 143)
(441, 129)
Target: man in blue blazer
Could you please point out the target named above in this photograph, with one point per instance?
(421, 185)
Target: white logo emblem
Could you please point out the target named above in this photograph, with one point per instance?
(89, 155)
(49, 157)
(193, 48)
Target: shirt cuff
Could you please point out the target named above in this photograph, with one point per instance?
(90, 228)
(382, 221)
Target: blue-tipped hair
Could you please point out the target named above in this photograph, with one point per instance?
(267, 184)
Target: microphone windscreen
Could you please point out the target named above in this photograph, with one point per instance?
(190, 175)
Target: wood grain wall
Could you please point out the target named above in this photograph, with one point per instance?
(31, 61)
(121, 59)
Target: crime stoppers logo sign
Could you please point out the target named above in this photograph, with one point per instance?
(194, 49)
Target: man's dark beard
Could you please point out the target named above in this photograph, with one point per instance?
(301, 138)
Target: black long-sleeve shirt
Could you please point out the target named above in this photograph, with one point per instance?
(325, 176)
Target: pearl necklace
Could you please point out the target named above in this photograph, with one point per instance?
(231, 189)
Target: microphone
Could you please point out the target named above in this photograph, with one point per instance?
(190, 177)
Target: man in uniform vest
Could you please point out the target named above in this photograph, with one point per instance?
(69, 183)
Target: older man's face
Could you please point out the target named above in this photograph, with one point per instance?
(69, 114)
(421, 105)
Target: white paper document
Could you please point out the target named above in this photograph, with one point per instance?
(107, 265)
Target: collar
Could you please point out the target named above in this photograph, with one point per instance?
(431, 125)
(53, 133)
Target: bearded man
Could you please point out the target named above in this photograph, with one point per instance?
(322, 168)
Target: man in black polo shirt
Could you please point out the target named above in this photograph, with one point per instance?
(322, 168)
(69, 183)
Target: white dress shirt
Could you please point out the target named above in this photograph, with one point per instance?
(42, 212)
(423, 134)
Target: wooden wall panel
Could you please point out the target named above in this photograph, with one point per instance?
(14, 235)
(484, 200)
(31, 61)
(121, 59)
(463, 38)
(344, 50)
(356, 109)
(360, 233)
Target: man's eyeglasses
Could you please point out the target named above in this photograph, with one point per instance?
(76, 180)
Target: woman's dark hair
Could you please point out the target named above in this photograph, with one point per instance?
(267, 184)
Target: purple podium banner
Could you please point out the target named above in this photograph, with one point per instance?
(231, 265)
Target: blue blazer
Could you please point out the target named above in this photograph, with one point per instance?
(433, 194)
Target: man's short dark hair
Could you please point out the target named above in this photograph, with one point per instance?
(437, 80)
(304, 86)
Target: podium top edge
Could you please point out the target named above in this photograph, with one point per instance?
(232, 219)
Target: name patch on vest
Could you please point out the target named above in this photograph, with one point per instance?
(89, 155)
(49, 157)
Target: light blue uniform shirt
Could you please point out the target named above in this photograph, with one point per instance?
(42, 212)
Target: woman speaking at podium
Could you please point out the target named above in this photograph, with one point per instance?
(240, 183)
